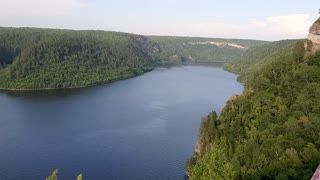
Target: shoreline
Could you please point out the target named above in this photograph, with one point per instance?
(49, 89)
(71, 88)
(92, 85)
(67, 88)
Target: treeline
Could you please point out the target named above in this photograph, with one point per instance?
(199, 50)
(271, 131)
(258, 57)
(45, 58)
(32, 58)
(54, 176)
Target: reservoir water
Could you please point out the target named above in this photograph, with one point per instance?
(141, 128)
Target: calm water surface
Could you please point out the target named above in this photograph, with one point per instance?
(141, 128)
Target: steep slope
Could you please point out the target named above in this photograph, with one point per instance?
(313, 43)
(257, 57)
(202, 50)
(44, 58)
(270, 131)
(32, 58)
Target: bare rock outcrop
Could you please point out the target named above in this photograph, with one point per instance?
(230, 103)
(313, 44)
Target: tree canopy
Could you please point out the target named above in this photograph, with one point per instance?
(271, 131)
(32, 58)
(43, 58)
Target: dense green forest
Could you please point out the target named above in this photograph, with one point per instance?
(54, 176)
(202, 50)
(33, 58)
(258, 57)
(271, 131)
(45, 58)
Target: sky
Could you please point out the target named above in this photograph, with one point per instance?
(245, 19)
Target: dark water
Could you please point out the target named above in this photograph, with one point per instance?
(141, 128)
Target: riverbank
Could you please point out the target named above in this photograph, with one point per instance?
(107, 123)
(77, 87)
(220, 63)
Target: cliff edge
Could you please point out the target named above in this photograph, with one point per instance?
(313, 44)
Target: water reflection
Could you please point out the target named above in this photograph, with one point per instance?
(141, 128)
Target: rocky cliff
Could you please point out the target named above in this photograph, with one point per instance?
(313, 44)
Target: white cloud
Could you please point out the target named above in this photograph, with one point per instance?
(35, 8)
(290, 26)
(257, 23)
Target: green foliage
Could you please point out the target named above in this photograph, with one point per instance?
(200, 50)
(272, 130)
(314, 59)
(54, 175)
(257, 57)
(79, 177)
(43, 58)
(213, 165)
(298, 51)
(32, 58)
(208, 132)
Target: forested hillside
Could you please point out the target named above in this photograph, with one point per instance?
(32, 58)
(271, 131)
(45, 58)
(258, 57)
(202, 50)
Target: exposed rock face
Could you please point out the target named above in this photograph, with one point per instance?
(230, 103)
(198, 148)
(314, 37)
(315, 28)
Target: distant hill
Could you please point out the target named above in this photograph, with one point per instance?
(257, 57)
(271, 130)
(33, 58)
(202, 50)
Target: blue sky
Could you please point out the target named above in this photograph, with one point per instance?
(246, 19)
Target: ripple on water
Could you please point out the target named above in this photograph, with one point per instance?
(141, 128)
